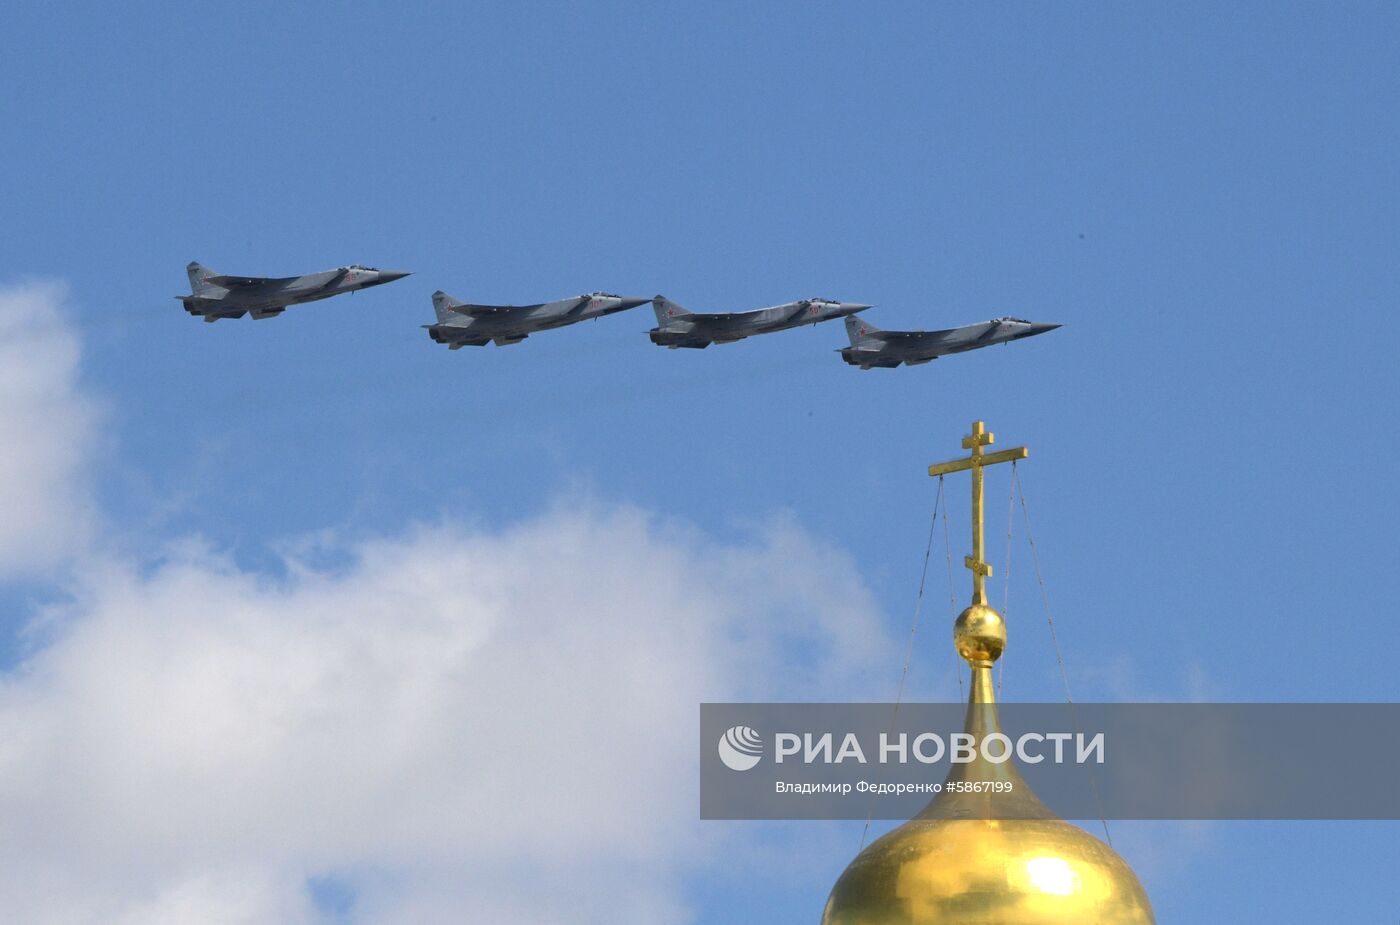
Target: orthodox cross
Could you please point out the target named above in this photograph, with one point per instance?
(975, 441)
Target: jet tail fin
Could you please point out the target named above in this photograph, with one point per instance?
(667, 311)
(199, 276)
(862, 333)
(444, 305)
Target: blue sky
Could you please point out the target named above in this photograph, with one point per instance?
(1206, 198)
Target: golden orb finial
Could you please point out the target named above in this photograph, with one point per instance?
(980, 635)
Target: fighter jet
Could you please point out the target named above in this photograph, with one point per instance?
(680, 328)
(214, 297)
(462, 325)
(872, 347)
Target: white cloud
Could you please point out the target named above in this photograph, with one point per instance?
(47, 426)
(456, 721)
(447, 724)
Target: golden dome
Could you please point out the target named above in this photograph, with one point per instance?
(988, 872)
(954, 864)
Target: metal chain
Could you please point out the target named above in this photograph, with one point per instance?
(909, 649)
(1006, 579)
(1054, 639)
(952, 595)
(1044, 595)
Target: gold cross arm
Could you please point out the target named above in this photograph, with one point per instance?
(975, 441)
(986, 459)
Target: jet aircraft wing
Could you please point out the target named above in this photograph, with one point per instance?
(479, 311)
(246, 282)
(913, 335)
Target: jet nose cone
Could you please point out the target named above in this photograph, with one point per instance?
(628, 302)
(850, 308)
(388, 276)
(1037, 328)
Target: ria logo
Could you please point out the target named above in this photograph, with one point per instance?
(740, 748)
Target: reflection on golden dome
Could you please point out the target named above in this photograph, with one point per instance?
(988, 872)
